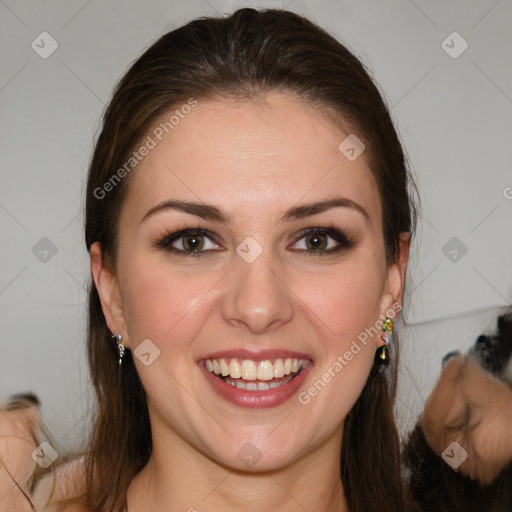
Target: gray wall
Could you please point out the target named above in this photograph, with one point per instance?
(452, 107)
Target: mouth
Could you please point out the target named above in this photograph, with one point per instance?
(256, 374)
(256, 380)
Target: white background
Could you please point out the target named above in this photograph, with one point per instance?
(453, 114)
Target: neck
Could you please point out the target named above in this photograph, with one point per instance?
(179, 478)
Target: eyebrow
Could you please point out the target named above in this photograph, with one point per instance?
(214, 213)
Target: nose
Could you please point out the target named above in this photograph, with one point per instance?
(257, 297)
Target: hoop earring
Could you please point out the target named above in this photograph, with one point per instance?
(382, 353)
(120, 347)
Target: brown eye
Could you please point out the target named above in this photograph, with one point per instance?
(189, 242)
(316, 242)
(193, 242)
(322, 241)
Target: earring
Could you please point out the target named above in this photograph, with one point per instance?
(382, 354)
(120, 347)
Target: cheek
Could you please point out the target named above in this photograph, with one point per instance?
(346, 300)
(345, 307)
(160, 301)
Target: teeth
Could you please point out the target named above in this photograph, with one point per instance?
(224, 368)
(250, 370)
(235, 370)
(257, 386)
(265, 370)
(278, 369)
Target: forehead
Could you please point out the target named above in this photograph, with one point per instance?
(250, 156)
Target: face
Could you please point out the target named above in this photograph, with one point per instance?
(470, 406)
(254, 286)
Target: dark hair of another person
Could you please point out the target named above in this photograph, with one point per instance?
(243, 56)
(433, 484)
(436, 487)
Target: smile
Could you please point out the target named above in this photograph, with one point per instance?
(256, 380)
(254, 375)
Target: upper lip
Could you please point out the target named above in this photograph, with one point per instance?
(260, 355)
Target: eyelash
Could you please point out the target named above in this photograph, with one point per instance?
(343, 240)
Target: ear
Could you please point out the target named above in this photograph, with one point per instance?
(108, 289)
(394, 287)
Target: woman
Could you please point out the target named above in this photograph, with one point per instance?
(248, 218)
(459, 455)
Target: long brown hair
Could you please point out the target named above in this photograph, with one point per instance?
(244, 55)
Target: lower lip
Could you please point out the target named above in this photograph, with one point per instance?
(256, 399)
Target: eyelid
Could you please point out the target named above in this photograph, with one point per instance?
(343, 240)
(166, 241)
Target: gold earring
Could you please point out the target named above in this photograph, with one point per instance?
(382, 353)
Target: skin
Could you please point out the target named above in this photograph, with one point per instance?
(17, 431)
(472, 407)
(254, 159)
(20, 435)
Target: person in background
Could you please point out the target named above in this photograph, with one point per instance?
(20, 431)
(459, 455)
